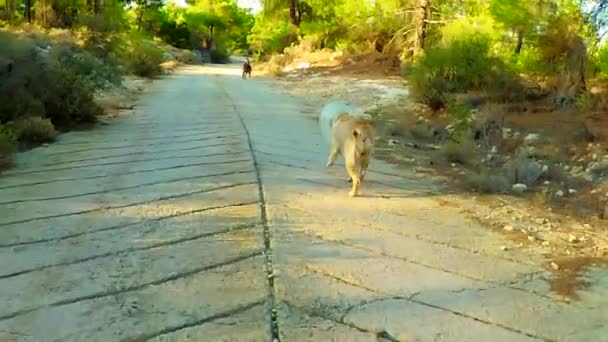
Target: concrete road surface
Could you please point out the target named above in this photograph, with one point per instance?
(208, 215)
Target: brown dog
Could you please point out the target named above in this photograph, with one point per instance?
(247, 69)
(352, 136)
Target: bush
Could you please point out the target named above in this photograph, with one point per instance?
(219, 55)
(82, 62)
(35, 130)
(8, 147)
(269, 37)
(462, 152)
(69, 100)
(143, 57)
(42, 83)
(462, 62)
(488, 182)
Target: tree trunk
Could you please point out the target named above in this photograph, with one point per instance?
(294, 12)
(141, 7)
(421, 16)
(572, 82)
(97, 6)
(209, 43)
(28, 11)
(520, 42)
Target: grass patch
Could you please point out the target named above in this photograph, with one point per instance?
(463, 152)
(487, 181)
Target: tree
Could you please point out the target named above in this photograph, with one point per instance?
(423, 8)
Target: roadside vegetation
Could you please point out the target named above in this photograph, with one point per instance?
(57, 56)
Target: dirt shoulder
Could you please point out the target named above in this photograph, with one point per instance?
(570, 243)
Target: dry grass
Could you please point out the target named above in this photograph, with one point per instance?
(487, 181)
(462, 152)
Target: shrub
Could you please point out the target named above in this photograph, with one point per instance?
(69, 100)
(35, 130)
(219, 55)
(36, 82)
(488, 182)
(462, 62)
(268, 37)
(143, 57)
(7, 147)
(462, 152)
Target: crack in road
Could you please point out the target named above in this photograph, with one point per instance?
(274, 322)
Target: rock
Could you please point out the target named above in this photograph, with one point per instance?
(559, 193)
(303, 65)
(554, 266)
(504, 248)
(507, 133)
(532, 138)
(545, 169)
(508, 228)
(598, 166)
(393, 142)
(573, 239)
(531, 238)
(527, 171)
(519, 188)
(572, 191)
(494, 150)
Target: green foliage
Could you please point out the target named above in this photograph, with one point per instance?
(8, 147)
(268, 37)
(143, 56)
(601, 60)
(38, 83)
(463, 61)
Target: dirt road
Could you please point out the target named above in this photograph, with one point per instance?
(208, 215)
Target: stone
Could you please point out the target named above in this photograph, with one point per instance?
(532, 138)
(559, 193)
(572, 191)
(573, 239)
(303, 65)
(545, 169)
(528, 171)
(508, 228)
(554, 266)
(519, 188)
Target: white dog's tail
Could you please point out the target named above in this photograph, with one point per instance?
(330, 112)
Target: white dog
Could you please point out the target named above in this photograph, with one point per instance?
(350, 133)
